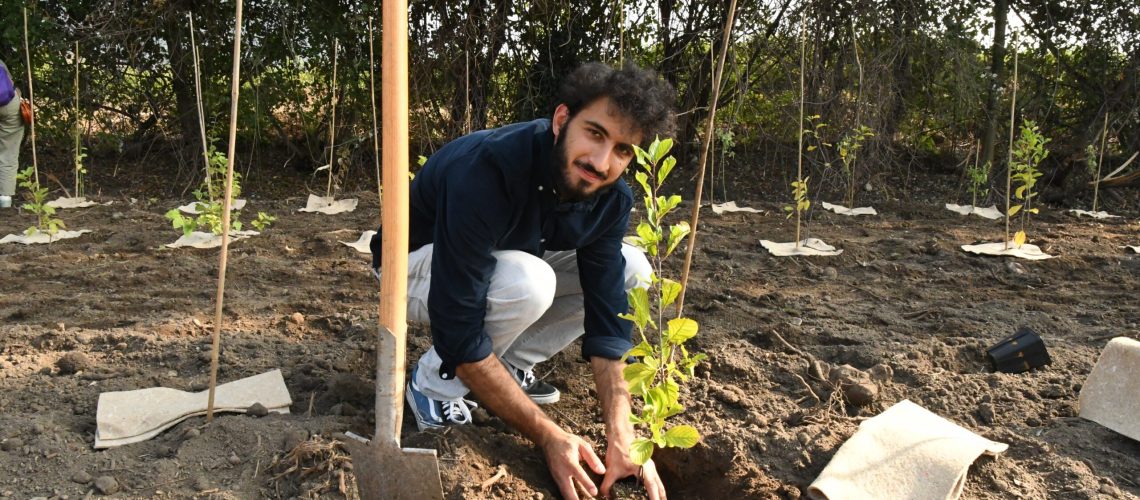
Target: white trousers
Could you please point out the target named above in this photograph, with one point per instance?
(534, 308)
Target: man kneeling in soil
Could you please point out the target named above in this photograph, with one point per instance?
(516, 251)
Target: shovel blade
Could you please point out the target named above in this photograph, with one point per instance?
(392, 473)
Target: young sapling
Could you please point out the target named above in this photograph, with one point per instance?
(1028, 152)
(849, 147)
(660, 363)
(46, 221)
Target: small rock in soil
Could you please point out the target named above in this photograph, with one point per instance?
(191, 433)
(205, 357)
(37, 428)
(829, 273)
(234, 459)
(297, 318)
(72, 362)
(986, 413)
(201, 484)
(107, 485)
(861, 394)
(257, 410)
(12, 444)
(881, 372)
(81, 477)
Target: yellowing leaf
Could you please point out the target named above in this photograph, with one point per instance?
(682, 436)
(1013, 210)
(681, 329)
(640, 451)
(669, 291)
(1019, 238)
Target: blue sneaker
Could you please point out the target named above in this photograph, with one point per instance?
(435, 414)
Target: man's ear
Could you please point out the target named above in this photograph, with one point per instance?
(561, 116)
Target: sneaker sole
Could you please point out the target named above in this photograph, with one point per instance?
(547, 398)
(420, 423)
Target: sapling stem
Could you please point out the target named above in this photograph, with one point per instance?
(234, 87)
(858, 114)
(1012, 126)
(1099, 162)
(31, 98)
(974, 192)
(201, 112)
(706, 141)
(332, 121)
(375, 127)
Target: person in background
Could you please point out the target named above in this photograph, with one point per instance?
(516, 251)
(11, 135)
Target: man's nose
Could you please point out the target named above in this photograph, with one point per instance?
(601, 160)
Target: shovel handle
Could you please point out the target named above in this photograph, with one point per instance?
(390, 352)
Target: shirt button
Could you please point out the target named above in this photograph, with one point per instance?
(542, 240)
(540, 188)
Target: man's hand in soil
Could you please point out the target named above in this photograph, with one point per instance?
(613, 391)
(564, 452)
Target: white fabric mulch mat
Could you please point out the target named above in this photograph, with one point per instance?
(79, 202)
(731, 206)
(327, 205)
(198, 239)
(990, 212)
(38, 238)
(192, 208)
(1025, 251)
(842, 210)
(807, 246)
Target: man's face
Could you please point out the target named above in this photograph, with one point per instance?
(592, 149)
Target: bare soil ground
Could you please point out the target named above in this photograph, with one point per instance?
(902, 302)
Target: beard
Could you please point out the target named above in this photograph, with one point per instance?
(568, 189)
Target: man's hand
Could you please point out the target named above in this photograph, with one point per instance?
(619, 466)
(564, 456)
(565, 452)
(614, 395)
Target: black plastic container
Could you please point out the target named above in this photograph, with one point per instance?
(1021, 352)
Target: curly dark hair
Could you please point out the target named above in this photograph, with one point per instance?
(640, 94)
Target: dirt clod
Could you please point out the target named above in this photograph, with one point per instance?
(297, 318)
(107, 485)
(862, 393)
(12, 444)
(81, 477)
(257, 410)
(72, 362)
(295, 437)
(234, 459)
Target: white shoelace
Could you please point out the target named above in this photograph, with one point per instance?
(527, 379)
(458, 411)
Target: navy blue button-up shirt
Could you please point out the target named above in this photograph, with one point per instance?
(495, 190)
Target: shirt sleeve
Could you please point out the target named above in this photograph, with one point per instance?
(601, 269)
(473, 211)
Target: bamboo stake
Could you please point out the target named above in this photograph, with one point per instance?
(1099, 162)
(77, 160)
(375, 128)
(234, 87)
(201, 111)
(332, 121)
(31, 97)
(1012, 125)
(800, 151)
(705, 142)
(858, 112)
(974, 189)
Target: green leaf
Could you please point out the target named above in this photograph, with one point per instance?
(680, 330)
(640, 350)
(677, 234)
(669, 291)
(640, 451)
(663, 148)
(639, 302)
(643, 179)
(682, 436)
(638, 376)
(666, 167)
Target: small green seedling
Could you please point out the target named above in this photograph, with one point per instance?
(979, 176)
(46, 221)
(660, 362)
(209, 206)
(1028, 152)
(849, 147)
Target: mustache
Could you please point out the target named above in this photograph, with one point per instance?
(589, 167)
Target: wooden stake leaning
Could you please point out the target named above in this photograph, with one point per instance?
(332, 123)
(705, 142)
(201, 112)
(31, 97)
(1012, 126)
(234, 87)
(375, 128)
(1099, 162)
(800, 151)
(78, 131)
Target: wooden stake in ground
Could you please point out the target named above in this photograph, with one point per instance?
(1012, 126)
(1099, 162)
(705, 142)
(375, 128)
(332, 123)
(800, 151)
(78, 131)
(201, 112)
(226, 201)
(31, 97)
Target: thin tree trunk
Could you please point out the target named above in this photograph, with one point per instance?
(997, 72)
